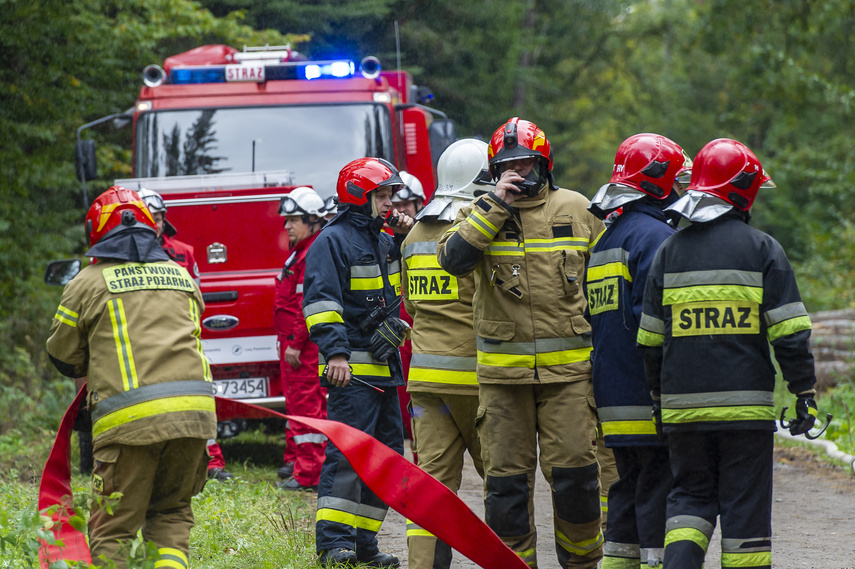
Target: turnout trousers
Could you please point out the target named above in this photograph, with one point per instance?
(349, 514)
(304, 397)
(561, 417)
(443, 429)
(608, 474)
(726, 474)
(636, 532)
(157, 482)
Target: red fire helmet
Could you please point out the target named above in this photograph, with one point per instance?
(648, 163)
(364, 175)
(116, 210)
(517, 139)
(729, 170)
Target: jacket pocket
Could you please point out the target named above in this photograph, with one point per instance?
(580, 326)
(506, 277)
(572, 271)
(496, 330)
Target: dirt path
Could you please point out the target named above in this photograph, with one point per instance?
(813, 517)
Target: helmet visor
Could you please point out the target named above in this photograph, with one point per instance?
(684, 175)
(289, 206)
(154, 203)
(405, 194)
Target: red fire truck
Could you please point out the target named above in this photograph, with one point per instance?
(224, 134)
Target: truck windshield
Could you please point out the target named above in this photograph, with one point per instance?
(313, 142)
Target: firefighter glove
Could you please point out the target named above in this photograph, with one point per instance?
(805, 415)
(388, 337)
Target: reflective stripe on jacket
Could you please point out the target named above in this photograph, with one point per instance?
(133, 329)
(614, 288)
(529, 260)
(717, 294)
(351, 269)
(441, 306)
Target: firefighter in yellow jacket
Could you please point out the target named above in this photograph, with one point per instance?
(130, 321)
(442, 383)
(528, 242)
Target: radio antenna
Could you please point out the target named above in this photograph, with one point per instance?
(398, 46)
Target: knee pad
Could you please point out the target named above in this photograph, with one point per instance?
(506, 505)
(576, 494)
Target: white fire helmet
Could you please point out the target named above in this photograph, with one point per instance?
(302, 201)
(155, 204)
(463, 172)
(412, 189)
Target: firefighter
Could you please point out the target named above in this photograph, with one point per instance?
(528, 242)
(718, 292)
(643, 183)
(304, 453)
(411, 197)
(131, 322)
(352, 289)
(183, 254)
(408, 200)
(442, 381)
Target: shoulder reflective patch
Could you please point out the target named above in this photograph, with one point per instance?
(722, 317)
(603, 295)
(66, 316)
(131, 277)
(431, 285)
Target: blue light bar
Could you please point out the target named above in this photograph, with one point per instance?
(327, 70)
(191, 75)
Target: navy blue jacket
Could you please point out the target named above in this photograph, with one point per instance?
(614, 288)
(717, 295)
(351, 268)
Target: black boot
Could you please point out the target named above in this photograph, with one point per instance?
(338, 558)
(380, 559)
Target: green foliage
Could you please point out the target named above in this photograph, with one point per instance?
(840, 402)
(66, 64)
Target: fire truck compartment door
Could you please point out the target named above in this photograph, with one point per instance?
(249, 349)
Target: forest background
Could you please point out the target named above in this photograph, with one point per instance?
(775, 75)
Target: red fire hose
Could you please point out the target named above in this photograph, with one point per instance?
(401, 484)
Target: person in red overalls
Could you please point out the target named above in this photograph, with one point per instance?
(182, 253)
(304, 212)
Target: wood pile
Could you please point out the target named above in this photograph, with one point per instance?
(833, 345)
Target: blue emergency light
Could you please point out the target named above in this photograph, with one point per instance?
(192, 75)
(284, 71)
(332, 69)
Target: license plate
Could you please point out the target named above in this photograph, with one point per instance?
(244, 388)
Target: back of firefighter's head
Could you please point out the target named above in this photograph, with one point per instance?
(646, 165)
(463, 170)
(726, 175)
(115, 211)
(518, 140)
(367, 185)
(157, 207)
(304, 211)
(411, 197)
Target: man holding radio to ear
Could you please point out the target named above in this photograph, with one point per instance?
(528, 242)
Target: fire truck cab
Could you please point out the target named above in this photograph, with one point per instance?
(223, 135)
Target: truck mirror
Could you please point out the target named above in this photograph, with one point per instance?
(59, 273)
(124, 119)
(442, 134)
(85, 162)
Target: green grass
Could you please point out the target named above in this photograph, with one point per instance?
(245, 523)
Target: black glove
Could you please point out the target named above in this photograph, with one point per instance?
(805, 415)
(657, 415)
(388, 337)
